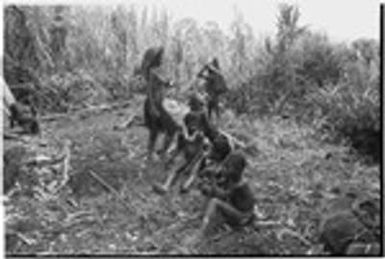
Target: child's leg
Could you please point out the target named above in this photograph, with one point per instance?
(209, 215)
(232, 214)
(153, 136)
(210, 107)
(196, 167)
(216, 107)
(162, 189)
(216, 205)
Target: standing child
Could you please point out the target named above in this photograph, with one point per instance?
(215, 86)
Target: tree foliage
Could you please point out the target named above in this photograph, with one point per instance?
(296, 71)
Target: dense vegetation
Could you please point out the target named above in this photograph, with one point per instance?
(296, 72)
(308, 108)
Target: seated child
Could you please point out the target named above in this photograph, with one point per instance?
(230, 195)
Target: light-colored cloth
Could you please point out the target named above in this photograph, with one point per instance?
(176, 109)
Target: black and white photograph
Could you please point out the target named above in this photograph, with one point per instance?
(192, 127)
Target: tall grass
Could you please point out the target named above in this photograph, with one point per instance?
(296, 72)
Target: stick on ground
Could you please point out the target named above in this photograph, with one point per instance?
(110, 188)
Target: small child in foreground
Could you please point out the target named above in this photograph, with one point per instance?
(230, 195)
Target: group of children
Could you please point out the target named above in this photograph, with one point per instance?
(211, 161)
(209, 158)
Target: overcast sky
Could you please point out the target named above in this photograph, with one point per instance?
(340, 19)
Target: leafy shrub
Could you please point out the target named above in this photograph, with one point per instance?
(352, 108)
(321, 63)
(297, 72)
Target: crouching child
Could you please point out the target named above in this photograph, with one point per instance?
(229, 196)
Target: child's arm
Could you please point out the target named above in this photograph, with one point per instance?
(216, 191)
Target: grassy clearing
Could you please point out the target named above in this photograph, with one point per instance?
(292, 175)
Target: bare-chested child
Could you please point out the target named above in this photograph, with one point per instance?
(229, 196)
(190, 143)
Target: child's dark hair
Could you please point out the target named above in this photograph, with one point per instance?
(189, 119)
(215, 63)
(220, 148)
(234, 165)
(195, 103)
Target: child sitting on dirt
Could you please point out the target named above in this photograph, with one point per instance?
(230, 195)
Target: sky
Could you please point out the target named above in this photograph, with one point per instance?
(340, 19)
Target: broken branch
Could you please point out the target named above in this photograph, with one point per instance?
(110, 188)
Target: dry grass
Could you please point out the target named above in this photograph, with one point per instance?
(292, 168)
(291, 173)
